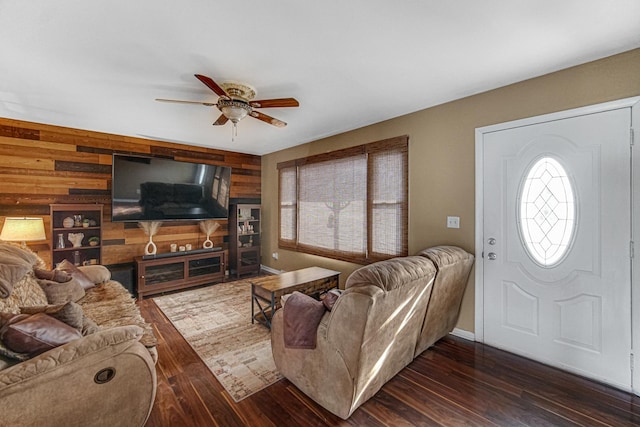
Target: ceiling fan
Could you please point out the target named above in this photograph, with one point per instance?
(236, 101)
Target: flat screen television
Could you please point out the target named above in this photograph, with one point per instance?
(159, 189)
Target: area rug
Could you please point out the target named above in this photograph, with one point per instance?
(216, 322)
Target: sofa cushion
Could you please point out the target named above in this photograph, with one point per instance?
(392, 274)
(25, 254)
(12, 270)
(62, 293)
(111, 305)
(445, 255)
(15, 263)
(55, 275)
(77, 275)
(97, 274)
(88, 326)
(26, 292)
(35, 334)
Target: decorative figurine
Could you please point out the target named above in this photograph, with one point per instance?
(76, 239)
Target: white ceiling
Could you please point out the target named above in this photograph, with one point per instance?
(99, 65)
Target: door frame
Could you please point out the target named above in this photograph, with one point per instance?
(635, 226)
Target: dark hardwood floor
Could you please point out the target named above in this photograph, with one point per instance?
(455, 383)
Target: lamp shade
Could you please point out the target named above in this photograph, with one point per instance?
(23, 230)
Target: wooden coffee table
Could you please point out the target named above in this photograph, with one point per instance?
(266, 291)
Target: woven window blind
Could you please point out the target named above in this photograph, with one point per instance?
(332, 208)
(388, 202)
(350, 204)
(288, 204)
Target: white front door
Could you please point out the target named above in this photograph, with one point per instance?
(556, 200)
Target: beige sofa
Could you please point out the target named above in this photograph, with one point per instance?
(388, 313)
(104, 378)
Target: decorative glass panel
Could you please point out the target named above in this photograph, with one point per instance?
(547, 212)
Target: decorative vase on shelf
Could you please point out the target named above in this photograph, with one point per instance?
(67, 222)
(76, 239)
(61, 244)
(208, 227)
(151, 247)
(150, 229)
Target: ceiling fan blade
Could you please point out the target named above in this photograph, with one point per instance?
(268, 119)
(208, 104)
(221, 120)
(208, 81)
(281, 102)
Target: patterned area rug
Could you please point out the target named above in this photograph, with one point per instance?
(216, 322)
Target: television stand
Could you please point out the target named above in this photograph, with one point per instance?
(181, 253)
(182, 271)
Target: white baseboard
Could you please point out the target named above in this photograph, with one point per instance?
(270, 270)
(463, 334)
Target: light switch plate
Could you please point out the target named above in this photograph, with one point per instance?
(453, 222)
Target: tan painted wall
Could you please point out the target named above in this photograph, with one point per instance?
(442, 156)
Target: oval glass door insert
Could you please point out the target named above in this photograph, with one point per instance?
(547, 212)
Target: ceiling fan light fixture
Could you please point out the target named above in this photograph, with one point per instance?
(236, 101)
(233, 109)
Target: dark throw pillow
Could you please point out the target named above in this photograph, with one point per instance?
(36, 333)
(301, 316)
(70, 313)
(61, 293)
(76, 274)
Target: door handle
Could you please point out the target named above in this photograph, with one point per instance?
(492, 256)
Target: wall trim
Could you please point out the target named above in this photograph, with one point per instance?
(461, 333)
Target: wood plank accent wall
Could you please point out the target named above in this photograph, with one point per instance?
(42, 164)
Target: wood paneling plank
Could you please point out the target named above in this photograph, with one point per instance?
(18, 132)
(62, 165)
(37, 144)
(14, 162)
(25, 150)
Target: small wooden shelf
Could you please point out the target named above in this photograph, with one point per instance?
(244, 246)
(76, 249)
(86, 254)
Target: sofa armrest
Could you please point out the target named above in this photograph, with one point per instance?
(104, 379)
(453, 266)
(71, 352)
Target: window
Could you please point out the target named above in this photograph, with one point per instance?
(547, 212)
(349, 204)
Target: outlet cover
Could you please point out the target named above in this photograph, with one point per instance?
(453, 222)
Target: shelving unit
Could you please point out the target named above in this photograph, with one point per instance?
(86, 253)
(171, 273)
(244, 239)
